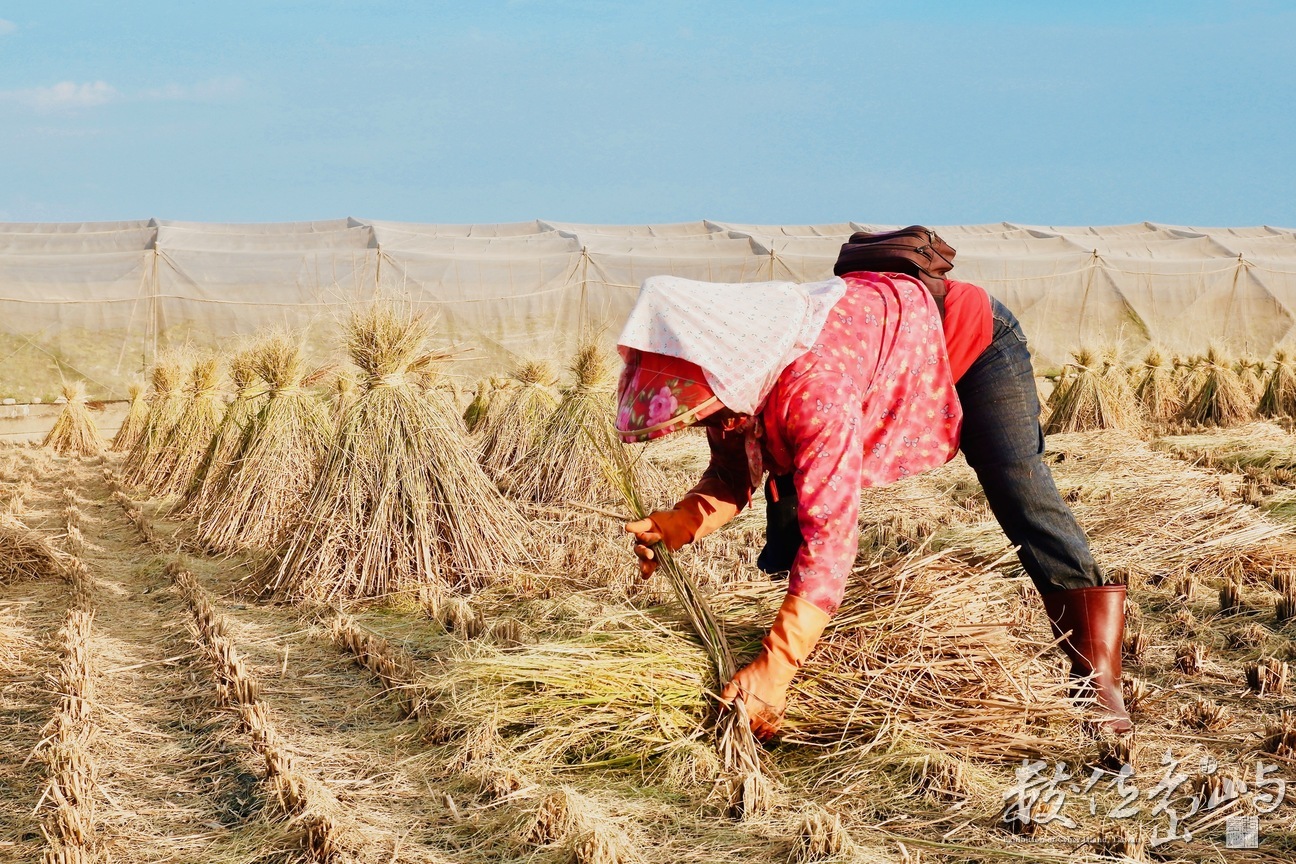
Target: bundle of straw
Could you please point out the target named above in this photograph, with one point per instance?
(475, 414)
(258, 498)
(1156, 392)
(136, 419)
(166, 403)
(1189, 374)
(1220, 398)
(566, 464)
(1249, 375)
(400, 501)
(249, 390)
(1061, 383)
(185, 446)
(1091, 400)
(74, 432)
(739, 750)
(921, 654)
(1117, 376)
(512, 429)
(344, 392)
(1279, 397)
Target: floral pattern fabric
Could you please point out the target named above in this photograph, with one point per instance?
(870, 403)
(657, 395)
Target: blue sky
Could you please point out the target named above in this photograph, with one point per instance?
(956, 112)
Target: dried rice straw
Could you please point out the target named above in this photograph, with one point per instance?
(166, 403)
(1249, 375)
(1279, 397)
(1091, 399)
(26, 554)
(510, 431)
(135, 422)
(401, 501)
(1220, 398)
(924, 654)
(74, 432)
(259, 498)
(475, 414)
(186, 444)
(1156, 391)
(249, 391)
(566, 464)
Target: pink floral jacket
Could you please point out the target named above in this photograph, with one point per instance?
(872, 402)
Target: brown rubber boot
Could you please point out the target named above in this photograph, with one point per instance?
(1095, 619)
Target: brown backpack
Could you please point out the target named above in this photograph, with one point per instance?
(915, 250)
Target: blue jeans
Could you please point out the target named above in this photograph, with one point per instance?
(1003, 442)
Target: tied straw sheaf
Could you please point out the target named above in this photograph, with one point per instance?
(74, 432)
(739, 750)
(399, 500)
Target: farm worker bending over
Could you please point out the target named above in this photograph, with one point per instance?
(837, 385)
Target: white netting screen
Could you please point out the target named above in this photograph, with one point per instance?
(100, 300)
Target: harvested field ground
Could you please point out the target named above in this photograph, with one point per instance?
(230, 730)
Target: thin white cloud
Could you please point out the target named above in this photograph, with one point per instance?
(204, 91)
(63, 95)
(7, 27)
(69, 95)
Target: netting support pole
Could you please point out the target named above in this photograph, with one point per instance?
(155, 309)
(584, 288)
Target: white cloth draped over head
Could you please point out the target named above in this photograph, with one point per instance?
(742, 334)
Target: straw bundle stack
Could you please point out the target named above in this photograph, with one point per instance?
(475, 414)
(1061, 383)
(166, 403)
(257, 500)
(1091, 399)
(511, 430)
(1249, 375)
(182, 452)
(74, 432)
(1118, 377)
(1220, 399)
(400, 500)
(344, 392)
(1279, 396)
(566, 464)
(136, 420)
(1156, 391)
(1188, 374)
(225, 444)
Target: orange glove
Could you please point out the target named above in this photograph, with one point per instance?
(695, 516)
(763, 683)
